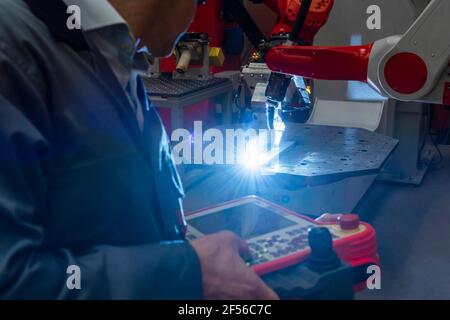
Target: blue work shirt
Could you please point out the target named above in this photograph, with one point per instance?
(81, 183)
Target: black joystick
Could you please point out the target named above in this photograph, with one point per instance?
(322, 257)
(321, 277)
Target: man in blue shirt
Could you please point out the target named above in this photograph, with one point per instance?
(87, 180)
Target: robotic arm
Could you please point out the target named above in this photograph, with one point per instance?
(300, 20)
(288, 10)
(298, 23)
(412, 67)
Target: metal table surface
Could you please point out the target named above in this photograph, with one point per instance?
(323, 154)
(327, 169)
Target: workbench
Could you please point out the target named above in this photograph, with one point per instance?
(177, 94)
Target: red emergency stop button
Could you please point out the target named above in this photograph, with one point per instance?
(349, 221)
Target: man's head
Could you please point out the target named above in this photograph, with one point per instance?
(158, 23)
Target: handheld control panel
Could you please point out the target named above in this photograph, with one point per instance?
(278, 238)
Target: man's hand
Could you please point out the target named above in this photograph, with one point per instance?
(225, 274)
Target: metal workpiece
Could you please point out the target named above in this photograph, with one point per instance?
(255, 73)
(322, 154)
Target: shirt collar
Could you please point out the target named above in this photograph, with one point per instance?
(97, 14)
(98, 17)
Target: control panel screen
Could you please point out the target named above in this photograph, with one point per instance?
(247, 221)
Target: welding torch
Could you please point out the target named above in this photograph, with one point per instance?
(279, 82)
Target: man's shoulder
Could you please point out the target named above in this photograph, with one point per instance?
(13, 13)
(21, 38)
(17, 22)
(21, 33)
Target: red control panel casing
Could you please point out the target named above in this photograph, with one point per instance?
(357, 247)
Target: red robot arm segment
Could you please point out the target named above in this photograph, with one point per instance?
(325, 63)
(409, 67)
(446, 98)
(287, 11)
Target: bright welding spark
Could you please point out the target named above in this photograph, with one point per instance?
(258, 152)
(254, 156)
(278, 123)
(278, 135)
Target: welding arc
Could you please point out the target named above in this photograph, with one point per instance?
(300, 21)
